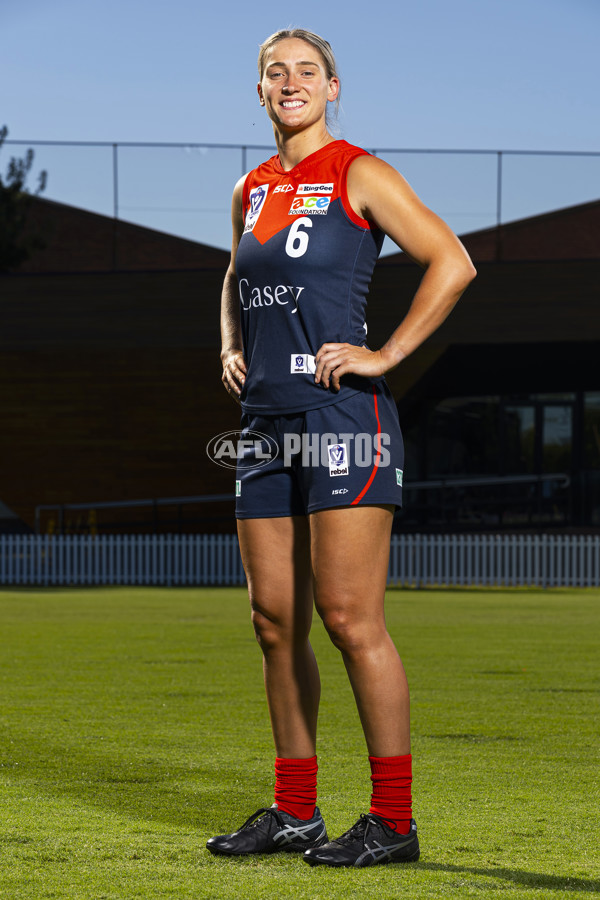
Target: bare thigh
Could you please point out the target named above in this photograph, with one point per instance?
(350, 554)
(276, 558)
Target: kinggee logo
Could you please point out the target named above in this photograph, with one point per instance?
(251, 448)
(315, 188)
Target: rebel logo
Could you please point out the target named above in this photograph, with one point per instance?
(303, 362)
(338, 459)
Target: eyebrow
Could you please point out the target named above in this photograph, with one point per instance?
(304, 62)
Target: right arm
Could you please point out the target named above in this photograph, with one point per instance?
(232, 355)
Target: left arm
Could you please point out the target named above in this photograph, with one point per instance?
(377, 192)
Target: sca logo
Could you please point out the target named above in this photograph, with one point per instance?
(251, 449)
(309, 206)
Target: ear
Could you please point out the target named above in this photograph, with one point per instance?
(260, 94)
(334, 89)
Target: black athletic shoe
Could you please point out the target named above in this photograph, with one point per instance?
(368, 843)
(272, 831)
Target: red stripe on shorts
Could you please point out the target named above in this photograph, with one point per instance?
(377, 456)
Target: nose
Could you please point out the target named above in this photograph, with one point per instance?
(290, 86)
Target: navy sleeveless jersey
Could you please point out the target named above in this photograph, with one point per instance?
(304, 264)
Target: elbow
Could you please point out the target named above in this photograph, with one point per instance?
(470, 273)
(464, 273)
(456, 270)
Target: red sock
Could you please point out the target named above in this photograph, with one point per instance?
(391, 798)
(296, 786)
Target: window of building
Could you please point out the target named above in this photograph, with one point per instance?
(462, 437)
(591, 430)
(519, 439)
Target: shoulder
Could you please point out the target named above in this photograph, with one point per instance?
(238, 191)
(373, 171)
(237, 199)
(372, 181)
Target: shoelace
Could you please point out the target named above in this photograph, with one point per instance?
(250, 822)
(358, 830)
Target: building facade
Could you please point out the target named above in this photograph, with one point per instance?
(111, 390)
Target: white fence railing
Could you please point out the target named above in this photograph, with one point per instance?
(543, 560)
(416, 560)
(169, 559)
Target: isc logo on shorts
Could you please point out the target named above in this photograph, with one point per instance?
(338, 459)
(309, 206)
(315, 188)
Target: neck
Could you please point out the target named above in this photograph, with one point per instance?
(295, 146)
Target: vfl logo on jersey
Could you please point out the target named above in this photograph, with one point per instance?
(257, 202)
(338, 459)
(303, 362)
(283, 188)
(309, 206)
(315, 188)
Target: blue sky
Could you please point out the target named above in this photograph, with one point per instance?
(486, 74)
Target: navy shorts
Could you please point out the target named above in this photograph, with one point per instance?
(348, 454)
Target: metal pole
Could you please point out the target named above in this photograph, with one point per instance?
(499, 207)
(115, 166)
(115, 180)
(499, 190)
(244, 161)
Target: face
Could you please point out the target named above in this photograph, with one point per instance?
(294, 87)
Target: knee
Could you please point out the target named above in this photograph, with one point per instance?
(275, 625)
(346, 632)
(267, 630)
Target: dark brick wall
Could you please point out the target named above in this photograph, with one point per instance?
(110, 381)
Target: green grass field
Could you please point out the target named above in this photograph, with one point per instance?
(133, 727)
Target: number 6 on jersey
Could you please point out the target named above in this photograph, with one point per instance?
(297, 240)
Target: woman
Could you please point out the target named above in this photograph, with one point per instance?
(314, 524)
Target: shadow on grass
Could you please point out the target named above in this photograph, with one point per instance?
(139, 787)
(533, 880)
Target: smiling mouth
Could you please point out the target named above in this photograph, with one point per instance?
(292, 104)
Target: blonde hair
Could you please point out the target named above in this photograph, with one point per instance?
(319, 43)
